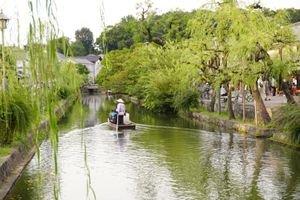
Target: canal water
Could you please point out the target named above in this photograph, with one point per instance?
(164, 158)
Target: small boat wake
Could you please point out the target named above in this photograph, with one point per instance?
(148, 126)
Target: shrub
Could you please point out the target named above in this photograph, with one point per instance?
(286, 119)
(15, 116)
(63, 92)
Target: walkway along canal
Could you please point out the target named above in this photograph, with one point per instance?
(164, 158)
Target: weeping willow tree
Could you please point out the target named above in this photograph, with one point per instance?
(27, 101)
(285, 52)
(16, 109)
(231, 44)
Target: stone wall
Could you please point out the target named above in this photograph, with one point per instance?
(249, 129)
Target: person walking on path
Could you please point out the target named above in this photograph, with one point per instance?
(267, 90)
(273, 86)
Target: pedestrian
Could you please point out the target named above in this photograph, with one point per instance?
(267, 90)
(223, 91)
(260, 85)
(273, 86)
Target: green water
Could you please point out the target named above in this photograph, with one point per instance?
(164, 158)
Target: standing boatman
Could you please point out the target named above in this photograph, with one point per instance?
(121, 111)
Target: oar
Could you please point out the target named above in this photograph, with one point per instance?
(117, 126)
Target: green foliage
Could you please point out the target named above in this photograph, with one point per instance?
(63, 92)
(121, 35)
(85, 36)
(149, 27)
(10, 58)
(63, 45)
(286, 119)
(171, 89)
(69, 79)
(16, 114)
(294, 15)
(225, 45)
(82, 69)
(4, 151)
(159, 75)
(78, 49)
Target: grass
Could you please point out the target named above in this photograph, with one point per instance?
(223, 116)
(4, 151)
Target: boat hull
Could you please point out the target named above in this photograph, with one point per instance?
(129, 125)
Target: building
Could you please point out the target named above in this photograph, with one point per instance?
(92, 63)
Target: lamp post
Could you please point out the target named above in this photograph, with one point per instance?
(3, 25)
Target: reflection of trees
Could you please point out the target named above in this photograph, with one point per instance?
(259, 150)
(189, 164)
(293, 182)
(36, 182)
(73, 118)
(212, 165)
(93, 102)
(226, 179)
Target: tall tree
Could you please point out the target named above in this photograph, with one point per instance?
(235, 42)
(121, 35)
(63, 45)
(77, 49)
(85, 36)
(146, 13)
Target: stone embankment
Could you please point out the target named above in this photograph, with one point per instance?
(248, 129)
(11, 166)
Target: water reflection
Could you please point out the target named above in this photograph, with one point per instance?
(163, 159)
(93, 102)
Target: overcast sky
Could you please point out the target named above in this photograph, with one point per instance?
(75, 14)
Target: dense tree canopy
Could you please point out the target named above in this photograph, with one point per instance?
(225, 45)
(159, 29)
(85, 36)
(78, 49)
(63, 45)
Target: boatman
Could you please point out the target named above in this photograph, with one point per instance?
(121, 111)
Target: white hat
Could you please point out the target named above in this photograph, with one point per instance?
(120, 101)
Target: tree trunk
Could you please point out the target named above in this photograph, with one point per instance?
(243, 100)
(229, 103)
(261, 114)
(290, 99)
(149, 34)
(219, 100)
(212, 102)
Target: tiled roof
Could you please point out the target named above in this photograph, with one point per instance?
(91, 57)
(82, 61)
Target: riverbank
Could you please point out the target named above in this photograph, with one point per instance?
(12, 165)
(241, 127)
(249, 129)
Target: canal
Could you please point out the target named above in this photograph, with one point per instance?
(164, 158)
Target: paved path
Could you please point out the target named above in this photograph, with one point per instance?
(276, 101)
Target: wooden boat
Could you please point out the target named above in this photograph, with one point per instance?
(127, 124)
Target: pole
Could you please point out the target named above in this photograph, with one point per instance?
(3, 62)
(219, 101)
(94, 73)
(117, 127)
(243, 100)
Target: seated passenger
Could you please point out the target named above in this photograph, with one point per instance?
(113, 116)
